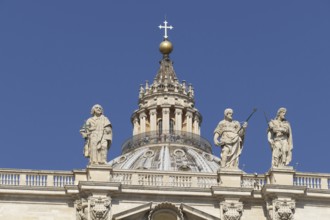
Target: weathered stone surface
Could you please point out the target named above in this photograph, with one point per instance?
(280, 139)
(231, 136)
(97, 132)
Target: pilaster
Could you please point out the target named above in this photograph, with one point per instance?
(189, 116)
(143, 117)
(135, 126)
(166, 118)
(196, 125)
(178, 119)
(153, 119)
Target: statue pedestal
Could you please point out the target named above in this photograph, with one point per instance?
(99, 173)
(230, 177)
(281, 175)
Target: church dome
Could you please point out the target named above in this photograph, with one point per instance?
(170, 152)
(167, 126)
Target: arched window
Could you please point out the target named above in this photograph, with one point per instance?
(166, 211)
(171, 126)
(160, 126)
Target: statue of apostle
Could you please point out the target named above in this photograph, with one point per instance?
(280, 139)
(97, 132)
(229, 135)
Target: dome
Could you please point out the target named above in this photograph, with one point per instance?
(167, 127)
(168, 157)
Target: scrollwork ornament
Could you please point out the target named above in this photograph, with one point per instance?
(284, 210)
(281, 210)
(81, 209)
(100, 208)
(232, 211)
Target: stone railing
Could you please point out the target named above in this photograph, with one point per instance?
(44, 178)
(312, 180)
(170, 179)
(253, 181)
(13, 177)
(178, 137)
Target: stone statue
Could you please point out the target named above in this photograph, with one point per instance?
(280, 139)
(231, 135)
(97, 132)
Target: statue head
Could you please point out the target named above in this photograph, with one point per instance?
(281, 113)
(97, 110)
(228, 113)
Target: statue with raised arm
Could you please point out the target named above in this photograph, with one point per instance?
(280, 139)
(97, 132)
(229, 135)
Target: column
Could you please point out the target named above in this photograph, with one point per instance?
(196, 125)
(143, 117)
(189, 121)
(178, 119)
(135, 126)
(153, 119)
(166, 119)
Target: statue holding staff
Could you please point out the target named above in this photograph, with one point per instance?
(229, 135)
(97, 132)
(280, 139)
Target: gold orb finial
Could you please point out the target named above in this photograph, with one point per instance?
(165, 47)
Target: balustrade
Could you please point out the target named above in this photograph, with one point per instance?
(253, 181)
(35, 178)
(124, 178)
(9, 179)
(152, 178)
(180, 181)
(312, 180)
(62, 180)
(206, 182)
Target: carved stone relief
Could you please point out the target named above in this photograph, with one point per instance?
(93, 209)
(281, 210)
(231, 210)
(100, 208)
(81, 209)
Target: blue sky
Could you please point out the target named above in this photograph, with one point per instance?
(58, 58)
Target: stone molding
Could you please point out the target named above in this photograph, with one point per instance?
(166, 206)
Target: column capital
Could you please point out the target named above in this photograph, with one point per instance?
(189, 113)
(196, 118)
(135, 119)
(178, 110)
(166, 110)
(153, 111)
(142, 114)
